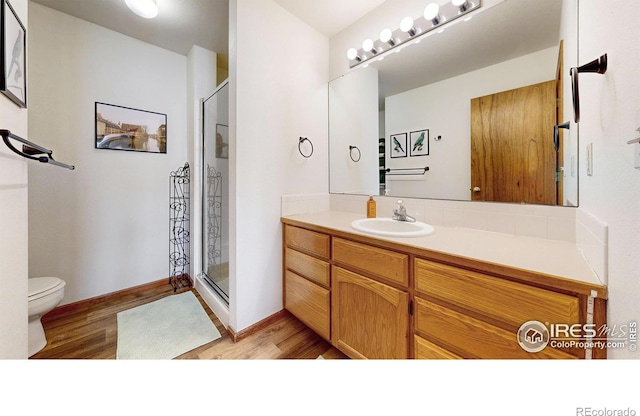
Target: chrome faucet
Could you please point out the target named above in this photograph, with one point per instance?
(400, 213)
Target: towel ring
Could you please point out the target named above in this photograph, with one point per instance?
(351, 153)
(303, 139)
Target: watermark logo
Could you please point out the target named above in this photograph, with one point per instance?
(533, 336)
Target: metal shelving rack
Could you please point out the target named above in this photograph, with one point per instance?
(179, 237)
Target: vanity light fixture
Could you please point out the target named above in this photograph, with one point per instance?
(145, 8)
(434, 16)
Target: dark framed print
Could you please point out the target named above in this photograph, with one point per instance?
(124, 128)
(13, 55)
(419, 143)
(398, 145)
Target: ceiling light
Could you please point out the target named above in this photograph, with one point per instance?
(145, 8)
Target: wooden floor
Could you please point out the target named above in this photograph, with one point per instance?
(89, 331)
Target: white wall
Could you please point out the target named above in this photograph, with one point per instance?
(13, 226)
(278, 92)
(103, 227)
(444, 108)
(610, 115)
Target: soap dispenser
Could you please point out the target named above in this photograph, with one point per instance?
(371, 207)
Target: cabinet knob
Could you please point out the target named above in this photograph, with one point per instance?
(476, 189)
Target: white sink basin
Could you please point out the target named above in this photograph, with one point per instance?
(388, 227)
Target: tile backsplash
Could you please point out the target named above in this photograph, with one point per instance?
(553, 223)
(592, 238)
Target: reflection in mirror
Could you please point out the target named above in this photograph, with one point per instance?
(490, 90)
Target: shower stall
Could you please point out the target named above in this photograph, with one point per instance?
(215, 192)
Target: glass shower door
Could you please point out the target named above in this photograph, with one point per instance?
(215, 209)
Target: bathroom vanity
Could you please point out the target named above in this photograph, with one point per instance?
(457, 293)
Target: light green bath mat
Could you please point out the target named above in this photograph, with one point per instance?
(164, 329)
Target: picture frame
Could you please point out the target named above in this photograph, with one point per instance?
(13, 55)
(222, 141)
(419, 143)
(130, 129)
(398, 145)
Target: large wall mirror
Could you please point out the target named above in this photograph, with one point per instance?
(478, 111)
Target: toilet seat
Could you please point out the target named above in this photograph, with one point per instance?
(43, 286)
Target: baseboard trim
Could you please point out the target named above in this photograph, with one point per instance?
(237, 336)
(87, 303)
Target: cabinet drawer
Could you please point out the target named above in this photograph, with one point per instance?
(471, 337)
(316, 270)
(425, 350)
(308, 302)
(509, 302)
(378, 262)
(307, 241)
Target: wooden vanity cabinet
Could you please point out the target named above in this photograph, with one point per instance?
(371, 300)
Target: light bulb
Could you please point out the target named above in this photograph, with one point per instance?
(462, 5)
(406, 24)
(367, 45)
(432, 13)
(385, 35)
(352, 53)
(145, 8)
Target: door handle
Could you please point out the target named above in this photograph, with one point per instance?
(476, 189)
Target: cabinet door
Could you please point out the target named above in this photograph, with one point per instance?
(369, 319)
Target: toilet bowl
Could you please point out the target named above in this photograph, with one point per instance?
(45, 293)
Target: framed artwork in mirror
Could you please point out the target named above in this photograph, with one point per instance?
(419, 143)
(13, 63)
(398, 145)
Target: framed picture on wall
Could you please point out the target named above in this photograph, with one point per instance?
(13, 64)
(419, 143)
(124, 128)
(222, 141)
(398, 145)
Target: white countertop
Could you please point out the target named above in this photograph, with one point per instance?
(557, 258)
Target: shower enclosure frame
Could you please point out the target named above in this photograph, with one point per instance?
(211, 206)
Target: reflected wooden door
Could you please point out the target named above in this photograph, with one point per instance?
(512, 154)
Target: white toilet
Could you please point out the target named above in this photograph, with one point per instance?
(45, 293)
